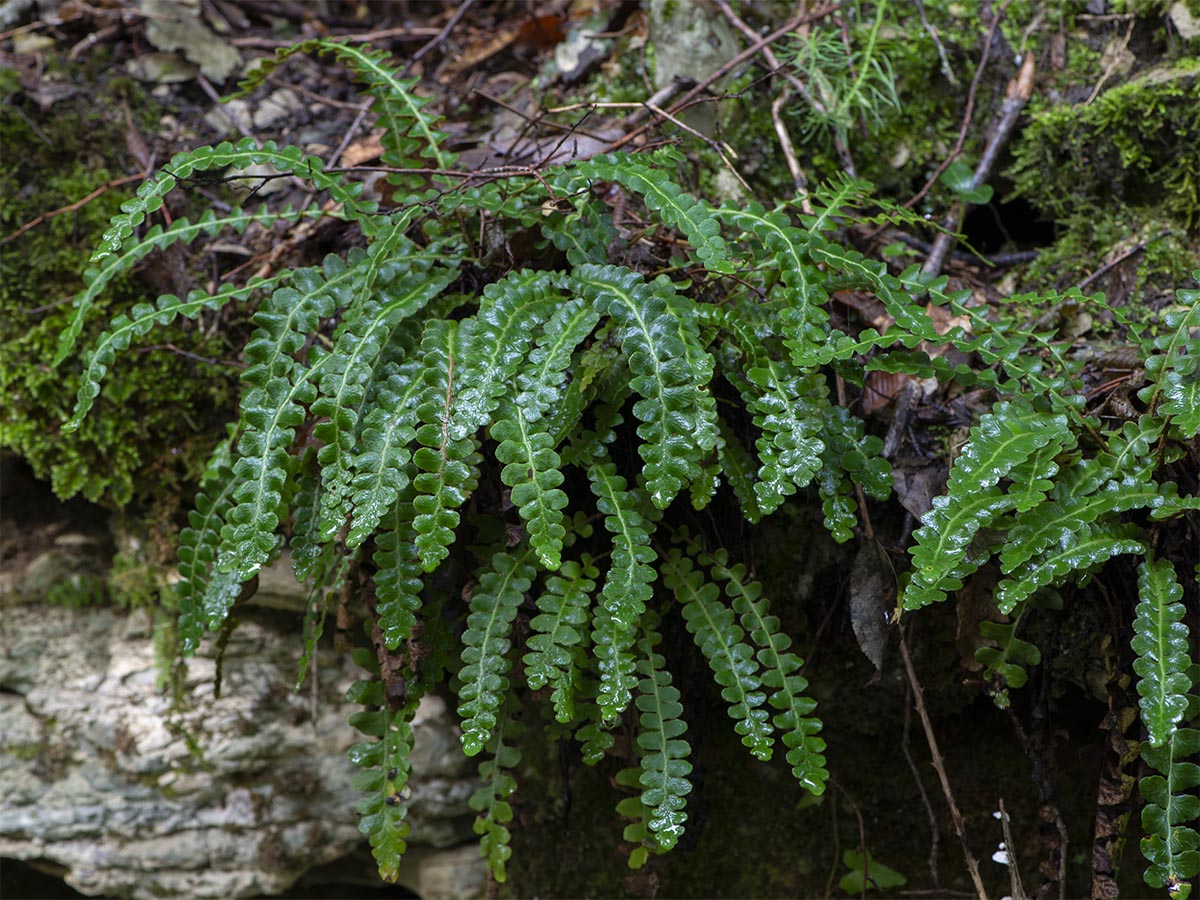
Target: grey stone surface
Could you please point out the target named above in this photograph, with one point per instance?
(97, 774)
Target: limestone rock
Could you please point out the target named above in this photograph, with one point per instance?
(96, 774)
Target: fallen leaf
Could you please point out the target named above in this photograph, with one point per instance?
(872, 593)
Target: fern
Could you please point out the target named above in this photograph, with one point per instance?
(664, 766)
(1001, 441)
(491, 800)
(559, 631)
(720, 639)
(392, 385)
(486, 642)
(780, 675)
(1161, 644)
(386, 769)
(695, 218)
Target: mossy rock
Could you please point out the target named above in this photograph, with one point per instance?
(156, 420)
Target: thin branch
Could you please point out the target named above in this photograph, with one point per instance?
(439, 38)
(71, 207)
(1014, 872)
(959, 827)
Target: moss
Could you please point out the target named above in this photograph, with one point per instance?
(56, 157)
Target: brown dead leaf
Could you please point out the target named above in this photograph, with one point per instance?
(872, 593)
(363, 150)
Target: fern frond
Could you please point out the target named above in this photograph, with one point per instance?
(850, 455)
(271, 411)
(559, 633)
(626, 588)
(1161, 644)
(1008, 659)
(442, 460)
(738, 466)
(664, 765)
(780, 676)
(223, 156)
(140, 320)
(805, 320)
(398, 573)
(379, 471)
(672, 410)
(1036, 530)
(695, 218)
(198, 545)
(532, 472)
(1079, 551)
(158, 238)
(1004, 439)
(1174, 372)
(343, 383)
(491, 800)
(410, 134)
(787, 409)
(385, 767)
(540, 382)
(483, 678)
(1172, 842)
(720, 640)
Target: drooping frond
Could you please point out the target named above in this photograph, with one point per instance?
(384, 761)
(780, 675)
(664, 764)
(139, 321)
(182, 230)
(243, 154)
(398, 572)
(491, 800)
(559, 631)
(1161, 644)
(1172, 812)
(720, 639)
(484, 675)
(379, 470)
(695, 218)
(673, 433)
(627, 586)
(532, 473)
(377, 309)
(198, 545)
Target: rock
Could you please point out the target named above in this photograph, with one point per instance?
(96, 774)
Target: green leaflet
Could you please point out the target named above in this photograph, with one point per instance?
(664, 766)
(559, 631)
(486, 642)
(720, 640)
(1161, 643)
